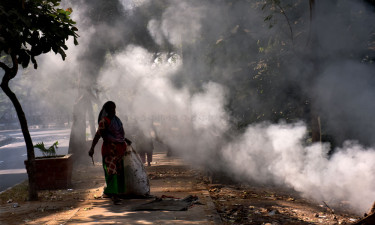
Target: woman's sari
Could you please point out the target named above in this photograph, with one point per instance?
(113, 150)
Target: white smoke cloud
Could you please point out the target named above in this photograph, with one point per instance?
(181, 22)
(131, 75)
(276, 153)
(144, 93)
(154, 28)
(207, 107)
(130, 5)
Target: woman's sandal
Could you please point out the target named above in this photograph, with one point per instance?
(116, 200)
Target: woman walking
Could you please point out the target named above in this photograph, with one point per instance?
(113, 150)
(144, 145)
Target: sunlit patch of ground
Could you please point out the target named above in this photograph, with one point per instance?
(15, 209)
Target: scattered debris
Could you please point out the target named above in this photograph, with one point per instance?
(270, 205)
(168, 204)
(97, 197)
(273, 212)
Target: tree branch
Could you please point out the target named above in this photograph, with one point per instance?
(14, 69)
(312, 7)
(4, 67)
(287, 20)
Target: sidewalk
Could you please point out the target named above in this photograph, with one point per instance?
(169, 176)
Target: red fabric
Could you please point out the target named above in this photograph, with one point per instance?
(111, 162)
(111, 152)
(109, 148)
(113, 155)
(113, 149)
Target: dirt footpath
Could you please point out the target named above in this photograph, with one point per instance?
(170, 178)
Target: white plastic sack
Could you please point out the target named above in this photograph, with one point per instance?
(136, 180)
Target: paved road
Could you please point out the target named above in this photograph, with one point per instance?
(13, 152)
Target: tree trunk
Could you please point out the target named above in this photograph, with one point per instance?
(91, 118)
(78, 131)
(82, 108)
(10, 74)
(314, 117)
(316, 134)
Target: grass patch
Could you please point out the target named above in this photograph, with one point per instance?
(18, 193)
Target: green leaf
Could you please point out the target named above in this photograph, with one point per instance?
(75, 41)
(51, 151)
(269, 17)
(37, 27)
(26, 61)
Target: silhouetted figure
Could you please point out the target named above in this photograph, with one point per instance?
(113, 150)
(144, 145)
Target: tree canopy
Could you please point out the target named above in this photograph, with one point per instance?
(31, 28)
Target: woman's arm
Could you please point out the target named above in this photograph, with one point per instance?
(94, 142)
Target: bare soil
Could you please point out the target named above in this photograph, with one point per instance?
(255, 204)
(235, 203)
(245, 204)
